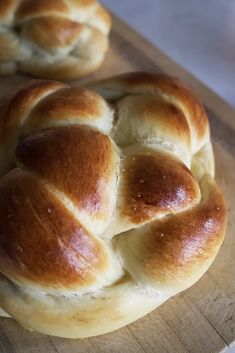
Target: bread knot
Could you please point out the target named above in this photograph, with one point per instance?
(57, 39)
(108, 204)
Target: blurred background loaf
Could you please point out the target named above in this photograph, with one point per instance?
(57, 39)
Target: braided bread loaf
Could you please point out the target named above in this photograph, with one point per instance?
(110, 208)
(58, 39)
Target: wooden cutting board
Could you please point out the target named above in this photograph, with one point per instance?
(200, 320)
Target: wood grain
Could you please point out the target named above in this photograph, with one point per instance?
(201, 320)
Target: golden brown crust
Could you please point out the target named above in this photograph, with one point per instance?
(161, 112)
(14, 112)
(94, 236)
(36, 8)
(190, 237)
(175, 88)
(54, 39)
(155, 185)
(171, 89)
(196, 235)
(57, 33)
(41, 243)
(89, 162)
(68, 104)
(22, 101)
(176, 250)
(151, 119)
(29, 9)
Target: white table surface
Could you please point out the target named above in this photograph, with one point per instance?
(198, 34)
